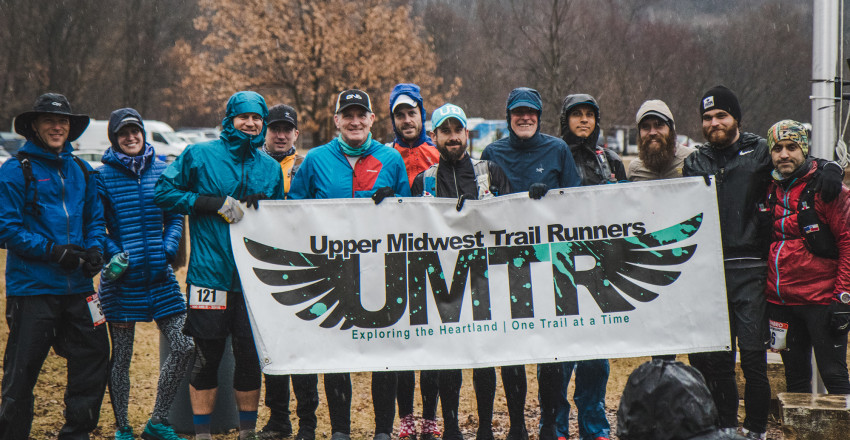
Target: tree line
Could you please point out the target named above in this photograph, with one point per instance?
(179, 60)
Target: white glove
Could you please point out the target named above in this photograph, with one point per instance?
(230, 211)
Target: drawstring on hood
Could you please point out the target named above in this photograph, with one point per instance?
(524, 97)
(412, 91)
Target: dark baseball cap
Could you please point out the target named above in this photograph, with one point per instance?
(352, 97)
(283, 113)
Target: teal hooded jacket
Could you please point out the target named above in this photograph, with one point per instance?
(233, 165)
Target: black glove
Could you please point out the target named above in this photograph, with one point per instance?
(67, 256)
(537, 190)
(826, 181)
(839, 318)
(460, 200)
(92, 262)
(382, 193)
(253, 200)
(208, 204)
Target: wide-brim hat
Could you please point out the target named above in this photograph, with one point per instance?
(52, 103)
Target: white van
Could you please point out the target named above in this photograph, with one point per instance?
(159, 134)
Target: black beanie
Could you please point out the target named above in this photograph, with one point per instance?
(720, 97)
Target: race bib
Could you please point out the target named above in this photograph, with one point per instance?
(207, 299)
(96, 310)
(778, 335)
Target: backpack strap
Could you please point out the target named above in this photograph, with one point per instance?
(29, 180)
(604, 166)
(429, 181)
(482, 178)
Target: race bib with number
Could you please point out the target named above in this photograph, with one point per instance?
(207, 299)
(96, 310)
(778, 335)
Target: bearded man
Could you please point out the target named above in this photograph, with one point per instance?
(741, 165)
(659, 156)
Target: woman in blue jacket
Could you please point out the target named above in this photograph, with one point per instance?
(147, 290)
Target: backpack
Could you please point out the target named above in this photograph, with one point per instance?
(817, 236)
(482, 179)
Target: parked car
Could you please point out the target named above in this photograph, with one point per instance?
(197, 135)
(11, 142)
(686, 141)
(4, 155)
(91, 155)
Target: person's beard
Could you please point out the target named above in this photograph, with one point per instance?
(453, 155)
(721, 137)
(657, 159)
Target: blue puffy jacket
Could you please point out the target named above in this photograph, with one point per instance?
(232, 166)
(327, 174)
(69, 213)
(539, 159)
(148, 289)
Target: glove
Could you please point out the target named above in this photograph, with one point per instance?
(230, 210)
(460, 200)
(253, 200)
(827, 180)
(382, 193)
(839, 318)
(92, 262)
(537, 190)
(208, 204)
(67, 256)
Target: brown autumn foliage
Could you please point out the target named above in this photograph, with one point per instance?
(305, 52)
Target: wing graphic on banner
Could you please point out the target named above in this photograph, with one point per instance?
(330, 287)
(620, 262)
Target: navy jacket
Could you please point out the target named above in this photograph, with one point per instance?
(539, 159)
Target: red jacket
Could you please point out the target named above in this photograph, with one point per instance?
(795, 276)
(417, 159)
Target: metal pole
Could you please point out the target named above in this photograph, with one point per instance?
(825, 63)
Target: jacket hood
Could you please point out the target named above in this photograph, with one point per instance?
(571, 139)
(413, 91)
(666, 400)
(243, 102)
(115, 119)
(523, 97)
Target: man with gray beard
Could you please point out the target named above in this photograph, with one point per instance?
(659, 156)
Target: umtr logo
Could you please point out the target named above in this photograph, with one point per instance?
(330, 287)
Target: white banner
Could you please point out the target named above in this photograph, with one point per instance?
(594, 272)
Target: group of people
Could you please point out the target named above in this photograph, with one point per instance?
(61, 221)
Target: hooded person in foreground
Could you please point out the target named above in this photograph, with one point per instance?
(212, 182)
(668, 400)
